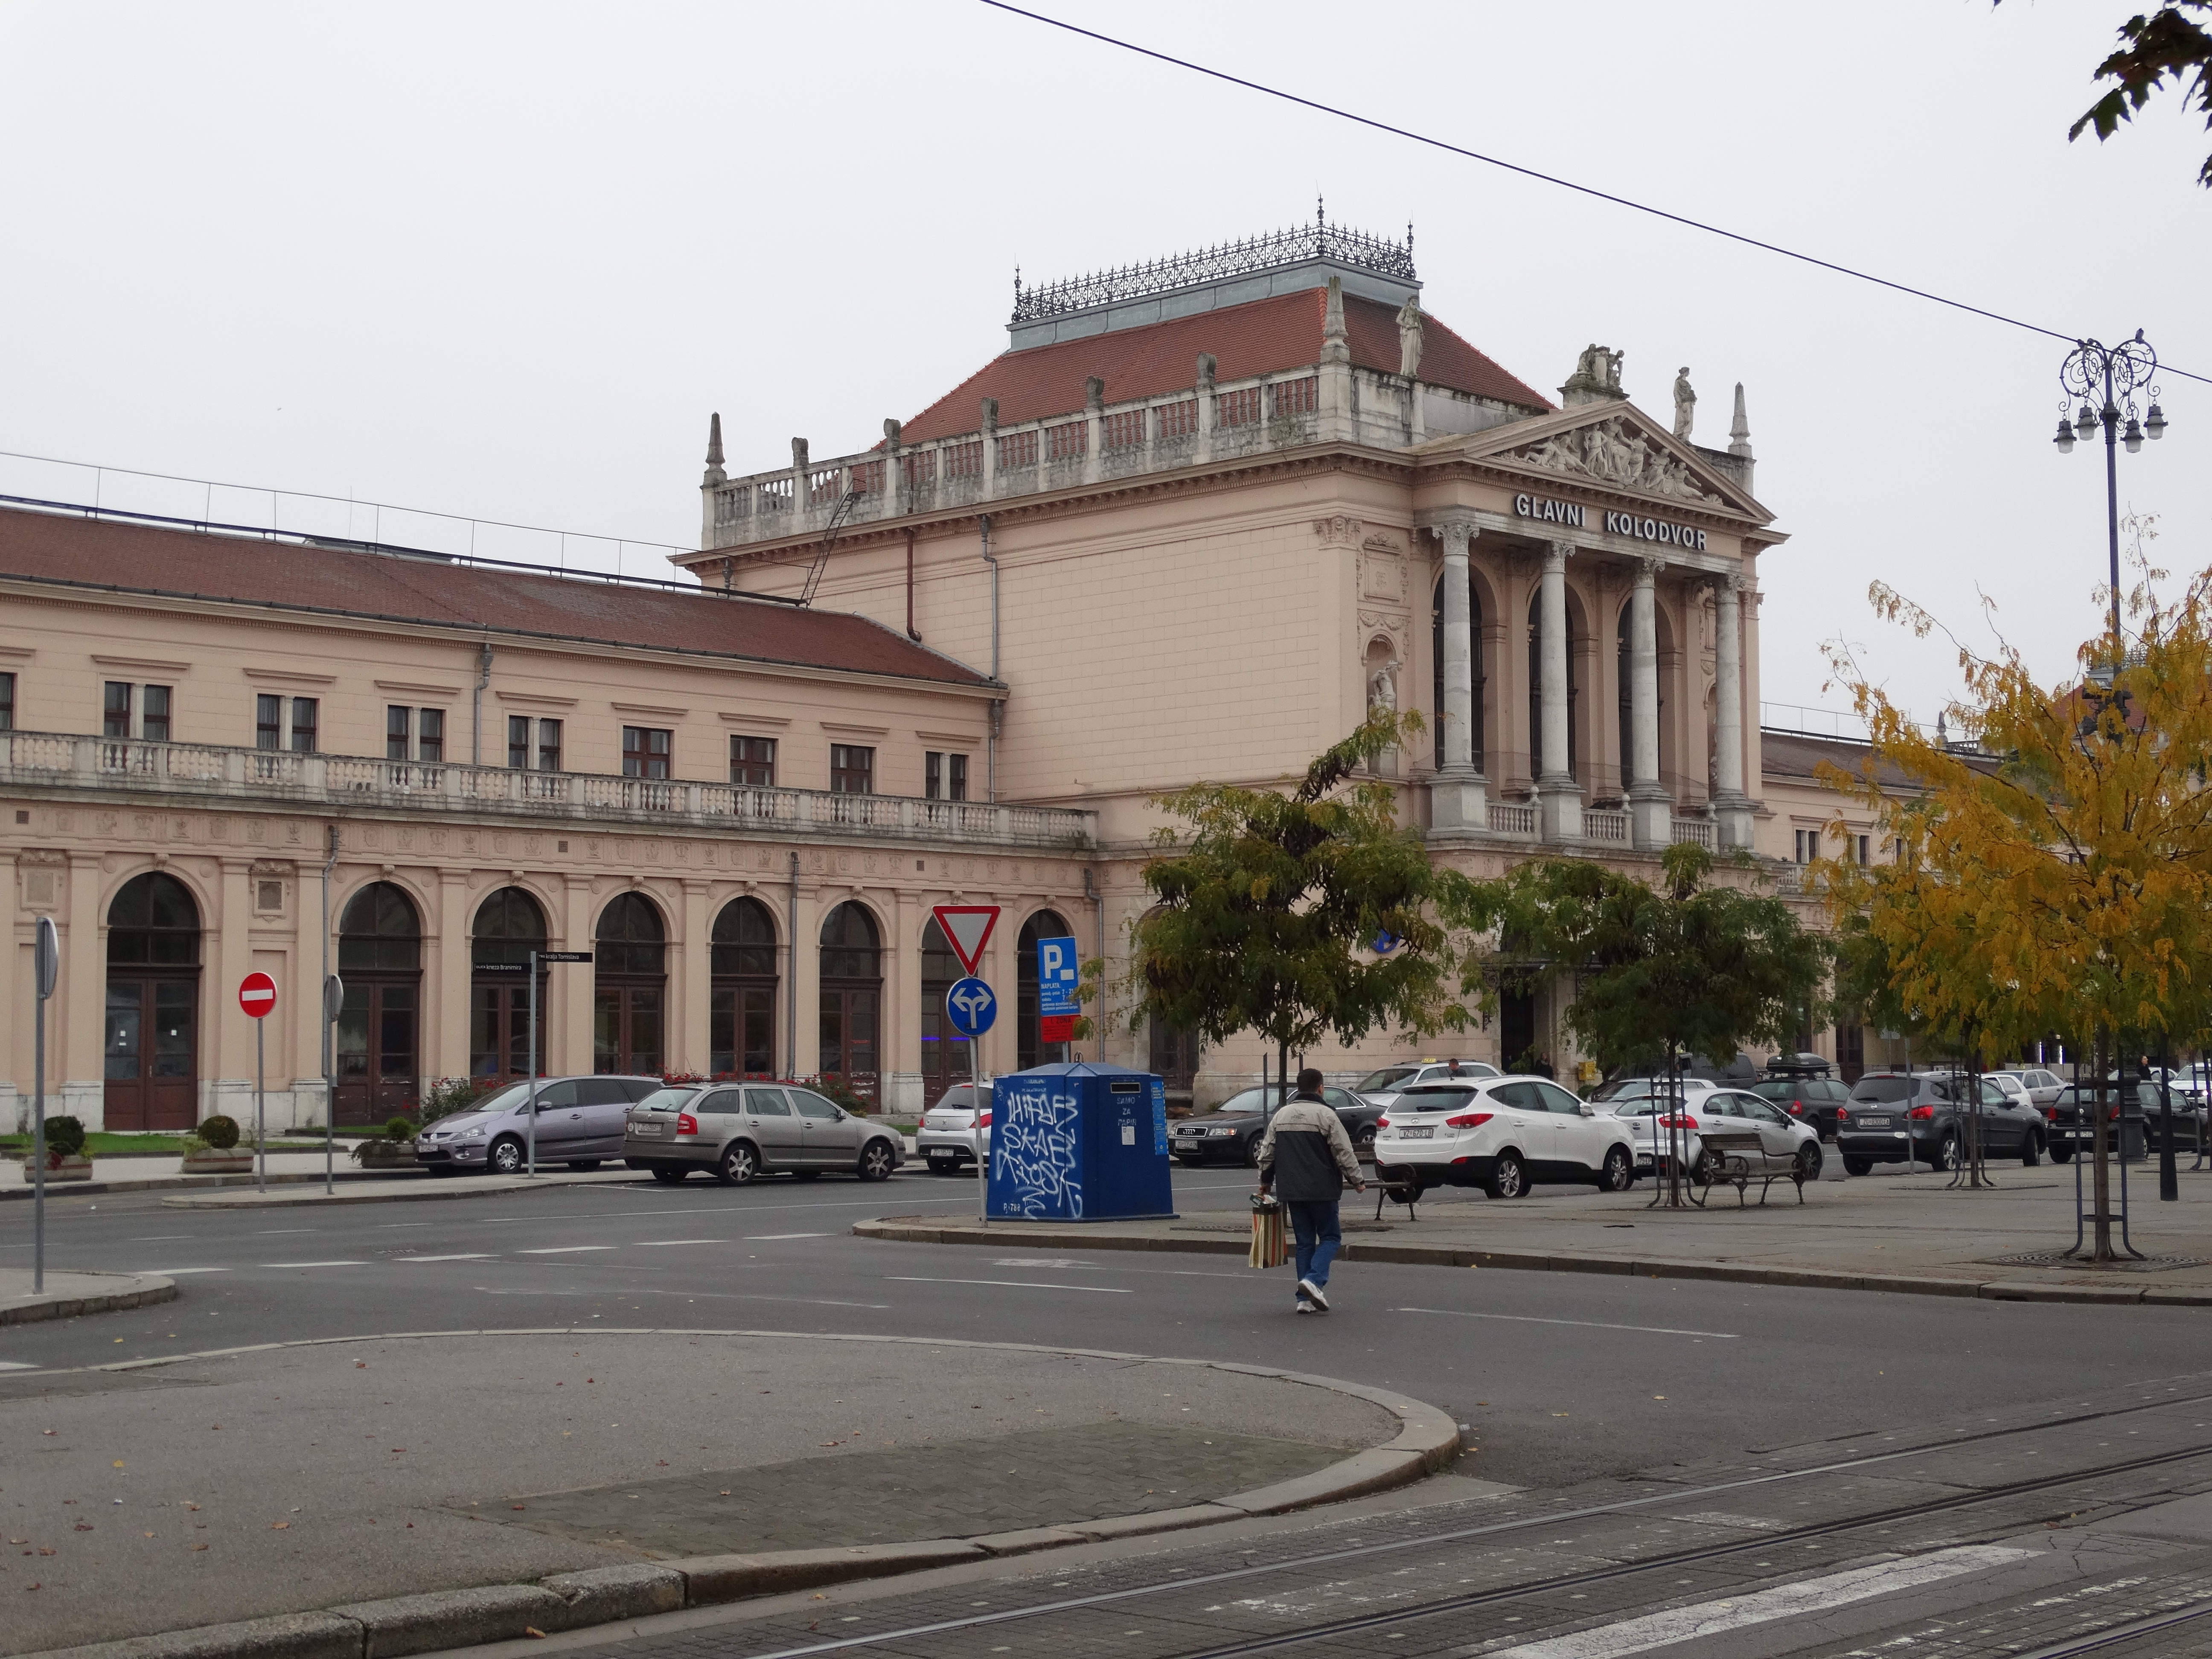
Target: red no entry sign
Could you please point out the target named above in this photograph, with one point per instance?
(256, 995)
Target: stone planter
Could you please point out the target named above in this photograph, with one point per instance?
(233, 1160)
(69, 1168)
(385, 1155)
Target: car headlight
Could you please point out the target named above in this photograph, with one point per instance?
(1221, 1132)
(476, 1134)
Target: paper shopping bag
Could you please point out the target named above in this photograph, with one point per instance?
(1270, 1249)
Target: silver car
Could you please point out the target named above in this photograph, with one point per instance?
(737, 1131)
(580, 1122)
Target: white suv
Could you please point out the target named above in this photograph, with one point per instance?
(1502, 1134)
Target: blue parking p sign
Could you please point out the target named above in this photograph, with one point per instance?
(1056, 978)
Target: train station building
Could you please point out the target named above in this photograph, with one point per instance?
(1192, 523)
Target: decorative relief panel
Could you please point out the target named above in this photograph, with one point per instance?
(1612, 452)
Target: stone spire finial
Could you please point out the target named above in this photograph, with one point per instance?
(893, 435)
(714, 473)
(1094, 393)
(1335, 343)
(1739, 429)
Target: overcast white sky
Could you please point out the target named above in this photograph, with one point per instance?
(502, 260)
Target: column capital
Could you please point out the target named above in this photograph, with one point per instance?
(1724, 583)
(1455, 534)
(1556, 555)
(1648, 568)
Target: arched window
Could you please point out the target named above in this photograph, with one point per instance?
(945, 1052)
(1436, 657)
(852, 998)
(509, 925)
(742, 1009)
(152, 1041)
(1029, 1049)
(629, 987)
(376, 1041)
(1536, 690)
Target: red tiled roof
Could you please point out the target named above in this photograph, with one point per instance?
(335, 581)
(1262, 336)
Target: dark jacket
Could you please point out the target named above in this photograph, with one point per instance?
(1305, 1155)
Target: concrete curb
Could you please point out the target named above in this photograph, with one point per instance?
(131, 1291)
(182, 1184)
(1000, 1234)
(1427, 1441)
(415, 1185)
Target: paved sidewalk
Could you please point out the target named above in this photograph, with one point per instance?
(291, 1479)
(69, 1294)
(1902, 1233)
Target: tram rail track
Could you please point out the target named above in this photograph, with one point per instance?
(1676, 1559)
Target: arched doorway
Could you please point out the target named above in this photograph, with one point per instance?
(1436, 657)
(943, 1051)
(1536, 689)
(629, 987)
(152, 1059)
(1029, 1050)
(509, 927)
(377, 1036)
(852, 998)
(741, 1013)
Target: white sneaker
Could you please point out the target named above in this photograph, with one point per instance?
(1311, 1292)
(1304, 1306)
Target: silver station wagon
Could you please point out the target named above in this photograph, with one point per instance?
(737, 1131)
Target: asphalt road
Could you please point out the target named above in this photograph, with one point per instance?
(1560, 1378)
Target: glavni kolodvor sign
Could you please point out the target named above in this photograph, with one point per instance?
(1573, 515)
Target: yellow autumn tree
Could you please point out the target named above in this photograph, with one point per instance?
(2054, 871)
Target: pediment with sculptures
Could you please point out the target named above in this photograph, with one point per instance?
(1612, 452)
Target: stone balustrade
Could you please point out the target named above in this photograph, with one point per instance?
(277, 778)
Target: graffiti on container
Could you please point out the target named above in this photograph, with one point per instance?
(1033, 1151)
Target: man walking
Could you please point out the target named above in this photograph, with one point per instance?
(1306, 1146)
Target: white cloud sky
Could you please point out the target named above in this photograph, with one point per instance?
(502, 260)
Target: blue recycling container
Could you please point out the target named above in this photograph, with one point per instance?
(1079, 1142)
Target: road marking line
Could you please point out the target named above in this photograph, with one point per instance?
(662, 1243)
(171, 1272)
(770, 1238)
(1589, 1324)
(1800, 1601)
(709, 1295)
(17, 1365)
(271, 1232)
(314, 1264)
(563, 1250)
(1010, 1284)
(481, 1257)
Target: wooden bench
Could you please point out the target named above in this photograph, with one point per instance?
(1408, 1192)
(1736, 1158)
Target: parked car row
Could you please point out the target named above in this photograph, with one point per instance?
(580, 1122)
(1892, 1115)
(1230, 1133)
(2136, 1129)
(1785, 1142)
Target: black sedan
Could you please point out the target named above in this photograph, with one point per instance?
(2134, 1131)
(1230, 1133)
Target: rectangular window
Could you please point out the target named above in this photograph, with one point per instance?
(646, 751)
(1862, 848)
(7, 702)
(956, 777)
(852, 769)
(268, 721)
(115, 710)
(518, 742)
(945, 776)
(548, 746)
(153, 713)
(1808, 846)
(932, 775)
(430, 735)
(398, 723)
(752, 762)
(307, 724)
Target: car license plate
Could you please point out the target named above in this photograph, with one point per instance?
(1873, 1124)
(645, 1128)
(1417, 1134)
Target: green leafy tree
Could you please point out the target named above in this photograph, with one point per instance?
(1691, 966)
(1269, 901)
(2155, 46)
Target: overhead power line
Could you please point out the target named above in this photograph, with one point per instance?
(1358, 119)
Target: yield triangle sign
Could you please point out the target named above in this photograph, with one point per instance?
(968, 930)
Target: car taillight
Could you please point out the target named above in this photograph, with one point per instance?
(1382, 1122)
(686, 1124)
(1842, 1114)
(1467, 1120)
(1921, 1111)
(2051, 1112)
(1678, 1123)
(983, 1120)
(1795, 1110)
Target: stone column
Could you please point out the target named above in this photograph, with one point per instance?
(691, 980)
(1729, 802)
(1458, 795)
(566, 1001)
(448, 983)
(1650, 812)
(1558, 798)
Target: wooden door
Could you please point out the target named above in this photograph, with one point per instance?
(850, 1022)
(375, 1042)
(152, 1052)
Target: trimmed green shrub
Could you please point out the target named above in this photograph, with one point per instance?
(64, 1136)
(399, 1130)
(220, 1133)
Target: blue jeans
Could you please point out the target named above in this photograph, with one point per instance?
(1319, 1237)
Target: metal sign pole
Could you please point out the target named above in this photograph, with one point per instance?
(530, 1103)
(333, 1005)
(260, 1110)
(982, 1159)
(46, 957)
